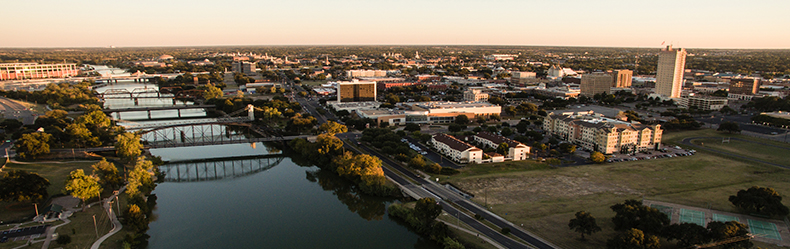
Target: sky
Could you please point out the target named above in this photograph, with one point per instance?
(600, 23)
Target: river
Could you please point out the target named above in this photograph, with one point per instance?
(267, 199)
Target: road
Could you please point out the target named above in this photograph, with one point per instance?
(14, 110)
(435, 190)
(450, 196)
(744, 121)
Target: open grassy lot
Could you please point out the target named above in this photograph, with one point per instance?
(81, 228)
(56, 173)
(544, 199)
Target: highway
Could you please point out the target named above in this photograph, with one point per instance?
(14, 110)
(426, 188)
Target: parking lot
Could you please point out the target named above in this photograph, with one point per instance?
(23, 233)
(665, 152)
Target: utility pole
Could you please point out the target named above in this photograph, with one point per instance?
(36, 206)
(95, 227)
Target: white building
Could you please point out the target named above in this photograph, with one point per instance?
(365, 73)
(516, 151)
(605, 135)
(669, 74)
(701, 102)
(474, 94)
(455, 149)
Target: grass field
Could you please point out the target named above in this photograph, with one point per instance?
(56, 173)
(544, 199)
(81, 228)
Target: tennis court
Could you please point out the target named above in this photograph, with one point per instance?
(664, 209)
(691, 216)
(764, 229)
(724, 218)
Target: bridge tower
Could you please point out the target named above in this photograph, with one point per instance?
(251, 112)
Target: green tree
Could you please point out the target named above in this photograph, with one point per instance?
(63, 239)
(412, 127)
(139, 179)
(729, 127)
(719, 231)
(502, 148)
(392, 98)
(584, 223)
(128, 146)
(80, 136)
(687, 234)
(82, 186)
(94, 120)
(20, 185)
(597, 157)
(760, 200)
(462, 119)
(135, 218)
(567, 148)
(332, 128)
(211, 92)
(633, 239)
(632, 214)
(33, 144)
(426, 210)
(506, 132)
(108, 174)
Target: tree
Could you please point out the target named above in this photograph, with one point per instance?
(139, 177)
(455, 128)
(506, 132)
(760, 200)
(80, 136)
(426, 210)
(63, 239)
(729, 127)
(597, 157)
(502, 148)
(412, 127)
(211, 92)
(33, 144)
(108, 174)
(462, 119)
(687, 234)
(632, 214)
(718, 231)
(128, 146)
(94, 120)
(584, 223)
(633, 239)
(82, 186)
(20, 185)
(567, 148)
(135, 218)
(332, 128)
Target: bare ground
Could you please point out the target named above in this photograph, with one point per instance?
(511, 190)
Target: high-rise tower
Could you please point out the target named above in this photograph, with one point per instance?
(669, 74)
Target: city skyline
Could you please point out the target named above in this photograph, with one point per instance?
(611, 23)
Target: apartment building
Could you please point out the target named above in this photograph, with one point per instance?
(516, 151)
(608, 136)
(595, 83)
(356, 91)
(456, 149)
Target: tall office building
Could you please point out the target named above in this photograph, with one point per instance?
(356, 91)
(595, 83)
(745, 85)
(669, 75)
(622, 78)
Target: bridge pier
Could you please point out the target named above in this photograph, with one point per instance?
(136, 104)
(179, 112)
(174, 103)
(149, 114)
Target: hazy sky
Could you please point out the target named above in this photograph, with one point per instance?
(608, 23)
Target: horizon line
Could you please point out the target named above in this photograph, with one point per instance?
(377, 45)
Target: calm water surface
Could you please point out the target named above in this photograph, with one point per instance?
(273, 200)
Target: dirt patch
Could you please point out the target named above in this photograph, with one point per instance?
(67, 202)
(510, 190)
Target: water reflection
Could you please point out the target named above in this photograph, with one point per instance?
(367, 207)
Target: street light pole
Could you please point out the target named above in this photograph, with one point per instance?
(95, 227)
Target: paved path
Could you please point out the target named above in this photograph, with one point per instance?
(116, 225)
(687, 141)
